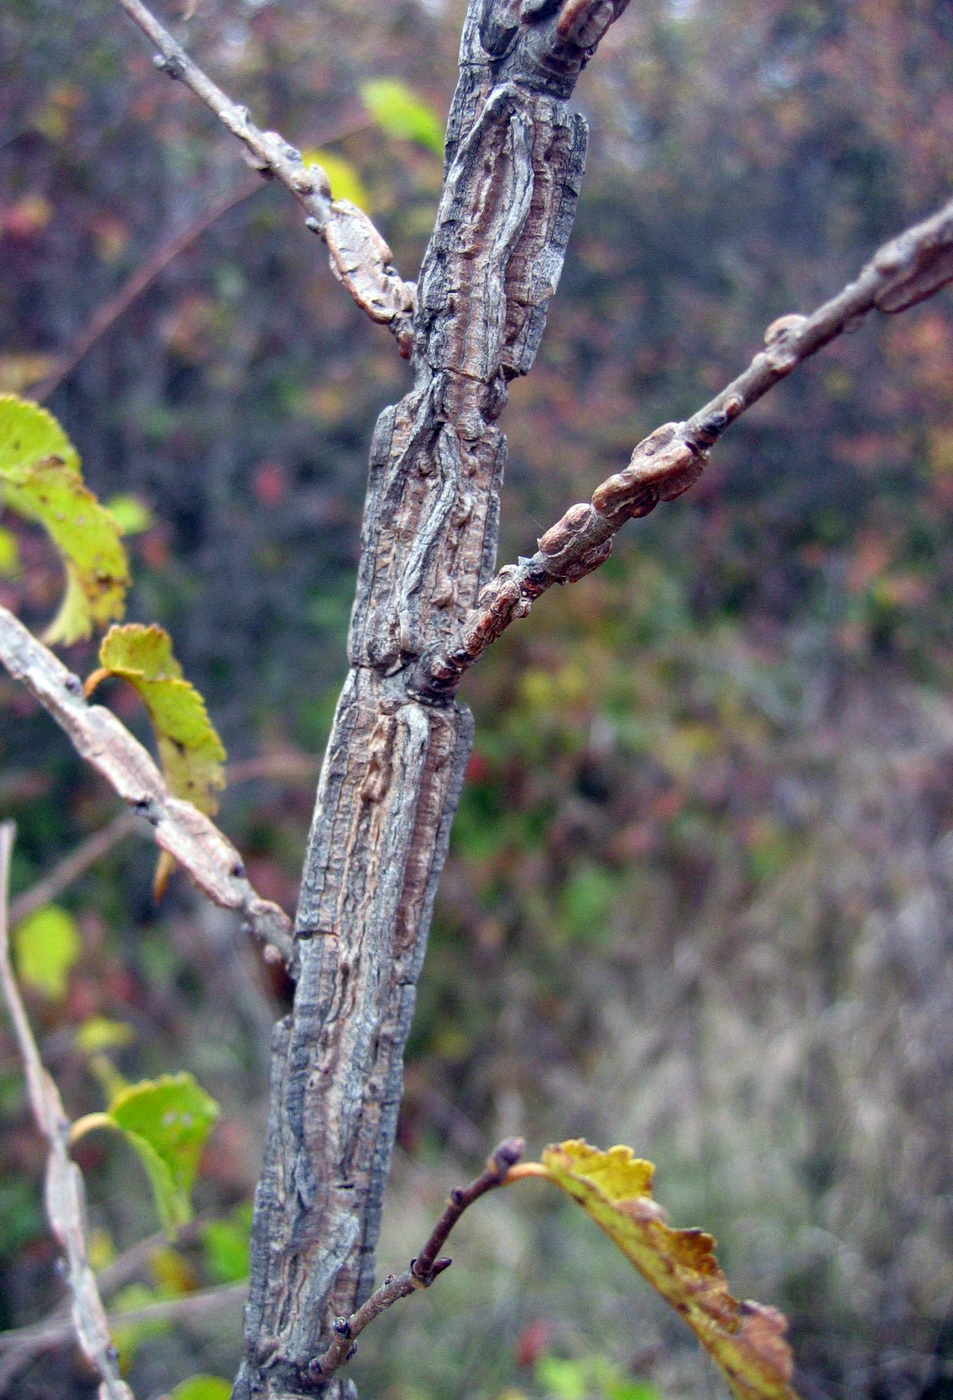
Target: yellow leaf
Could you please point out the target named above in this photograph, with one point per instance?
(98, 1033)
(190, 751)
(19, 372)
(132, 514)
(745, 1340)
(346, 183)
(40, 479)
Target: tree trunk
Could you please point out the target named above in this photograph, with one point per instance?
(394, 766)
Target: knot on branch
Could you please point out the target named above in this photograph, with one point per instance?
(915, 265)
(172, 64)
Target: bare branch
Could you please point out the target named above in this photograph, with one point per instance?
(209, 858)
(20, 1346)
(904, 271)
(139, 281)
(287, 766)
(72, 866)
(65, 1198)
(360, 258)
(425, 1268)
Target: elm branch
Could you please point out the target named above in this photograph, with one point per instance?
(64, 1194)
(190, 837)
(905, 271)
(360, 258)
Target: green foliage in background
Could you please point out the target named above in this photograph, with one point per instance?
(46, 945)
(400, 113)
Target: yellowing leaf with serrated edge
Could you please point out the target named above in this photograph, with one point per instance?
(745, 1340)
(190, 751)
(40, 479)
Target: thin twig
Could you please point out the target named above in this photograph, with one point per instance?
(72, 866)
(139, 281)
(360, 258)
(424, 1269)
(190, 837)
(65, 1198)
(904, 271)
(282, 766)
(287, 766)
(20, 1346)
(143, 277)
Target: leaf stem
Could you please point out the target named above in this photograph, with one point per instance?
(88, 1124)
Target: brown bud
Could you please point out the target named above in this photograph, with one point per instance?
(558, 536)
(783, 326)
(611, 492)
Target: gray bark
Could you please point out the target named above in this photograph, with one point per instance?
(394, 766)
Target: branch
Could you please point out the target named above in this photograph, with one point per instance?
(19, 1346)
(360, 258)
(65, 1200)
(904, 271)
(72, 866)
(139, 281)
(288, 766)
(424, 1269)
(209, 858)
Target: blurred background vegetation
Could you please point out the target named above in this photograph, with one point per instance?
(700, 896)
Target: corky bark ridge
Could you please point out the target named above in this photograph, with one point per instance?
(394, 766)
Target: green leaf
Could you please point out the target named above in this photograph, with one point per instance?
(226, 1245)
(563, 1380)
(631, 1390)
(40, 479)
(29, 434)
(399, 112)
(588, 1378)
(99, 1033)
(9, 554)
(47, 945)
(132, 515)
(202, 1388)
(190, 751)
(745, 1340)
(346, 183)
(166, 1121)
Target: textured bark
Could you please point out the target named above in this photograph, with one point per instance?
(905, 271)
(394, 766)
